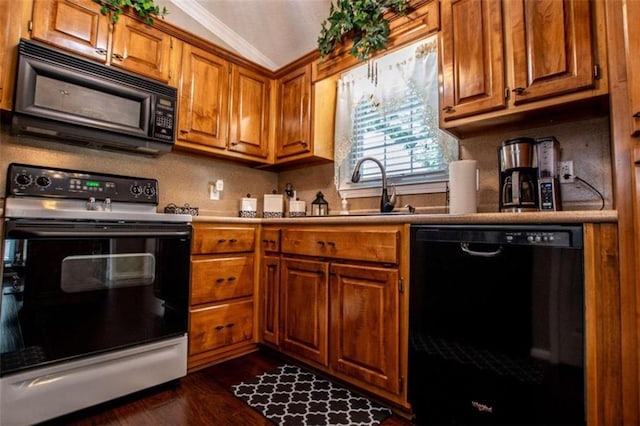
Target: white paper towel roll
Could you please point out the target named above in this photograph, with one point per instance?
(463, 186)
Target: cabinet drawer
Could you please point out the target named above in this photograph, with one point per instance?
(270, 239)
(217, 279)
(209, 239)
(366, 245)
(218, 326)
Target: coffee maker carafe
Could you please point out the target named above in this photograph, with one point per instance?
(518, 175)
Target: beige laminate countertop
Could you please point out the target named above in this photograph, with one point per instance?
(578, 216)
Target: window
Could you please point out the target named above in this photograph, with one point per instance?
(388, 110)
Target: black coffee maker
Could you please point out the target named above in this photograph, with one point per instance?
(518, 163)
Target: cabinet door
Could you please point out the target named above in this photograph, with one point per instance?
(633, 61)
(141, 48)
(76, 25)
(270, 278)
(294, 123)
(552, 48)
(204, 94)
(472, 64)
(304, 303)
(365, 324)
(249, 113)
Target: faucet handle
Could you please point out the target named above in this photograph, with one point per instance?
(392, 195)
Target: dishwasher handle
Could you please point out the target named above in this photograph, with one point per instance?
(465, 248)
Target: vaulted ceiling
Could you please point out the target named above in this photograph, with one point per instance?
(272, 33)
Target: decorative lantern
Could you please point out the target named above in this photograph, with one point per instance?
(319, 206)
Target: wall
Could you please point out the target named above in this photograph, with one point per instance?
(586, 142)
(183, 178)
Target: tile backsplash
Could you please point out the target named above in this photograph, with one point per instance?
(184, 178)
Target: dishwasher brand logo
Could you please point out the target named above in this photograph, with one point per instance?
(481, 407)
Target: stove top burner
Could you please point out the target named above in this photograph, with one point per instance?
(48, 193)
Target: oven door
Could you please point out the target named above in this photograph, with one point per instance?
(72, 289)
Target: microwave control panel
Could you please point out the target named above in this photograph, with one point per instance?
(164, 119)
(24, 180)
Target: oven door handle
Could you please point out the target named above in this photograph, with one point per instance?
(36, 232)
(465, 248)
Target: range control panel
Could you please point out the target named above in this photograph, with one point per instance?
(26, 180)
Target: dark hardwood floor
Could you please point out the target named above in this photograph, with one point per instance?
(201, 398)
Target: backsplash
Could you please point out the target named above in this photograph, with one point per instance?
(184, 178)
(586, 142)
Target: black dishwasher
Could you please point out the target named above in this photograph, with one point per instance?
(497, 325)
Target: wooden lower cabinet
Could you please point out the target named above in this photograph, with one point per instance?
(304, 306)
(221, 312)
(332, 298)
(365, 321)
(219, 326)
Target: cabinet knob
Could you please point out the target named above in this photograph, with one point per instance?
(519, 91)
(234, 143)
(117, 56)
(448, 109)
(101, 51)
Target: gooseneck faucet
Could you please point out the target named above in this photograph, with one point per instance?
(387, 201)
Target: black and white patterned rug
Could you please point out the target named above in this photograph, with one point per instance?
(290, 395)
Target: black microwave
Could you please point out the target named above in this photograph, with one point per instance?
(68, 98)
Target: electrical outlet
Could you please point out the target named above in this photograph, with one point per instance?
(213, 193)
(566, 168)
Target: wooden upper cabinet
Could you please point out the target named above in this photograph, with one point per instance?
(552, 48)
(80, 27)
(75, 25)
(633, 62)
(472, 52)
(249, 113)
(294, 122)
(141, 48)
(204, 93)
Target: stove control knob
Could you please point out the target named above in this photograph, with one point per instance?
(136, 190)
(23, 180)
(43, 181)
(149, 191)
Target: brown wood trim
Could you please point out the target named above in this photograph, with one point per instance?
(602, 317)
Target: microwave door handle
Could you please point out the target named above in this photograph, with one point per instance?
(465, 248)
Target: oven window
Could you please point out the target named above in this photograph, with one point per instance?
(71, 297)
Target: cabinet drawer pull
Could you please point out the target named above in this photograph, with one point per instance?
(101, 51)
(219, 327)
(184, 132)
(232, 278)
(448, 109)
(234, 143)
(272, 241)
(221, 240)
(636, 115)
(331, 243)
(233, 240)
(519, 91)
(304, 144)
(219, 280)
(230, 325)
(272, 265)
(117, 56)
(320, 243)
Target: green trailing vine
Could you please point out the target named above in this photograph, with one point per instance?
(146, 9)
(362, 21)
